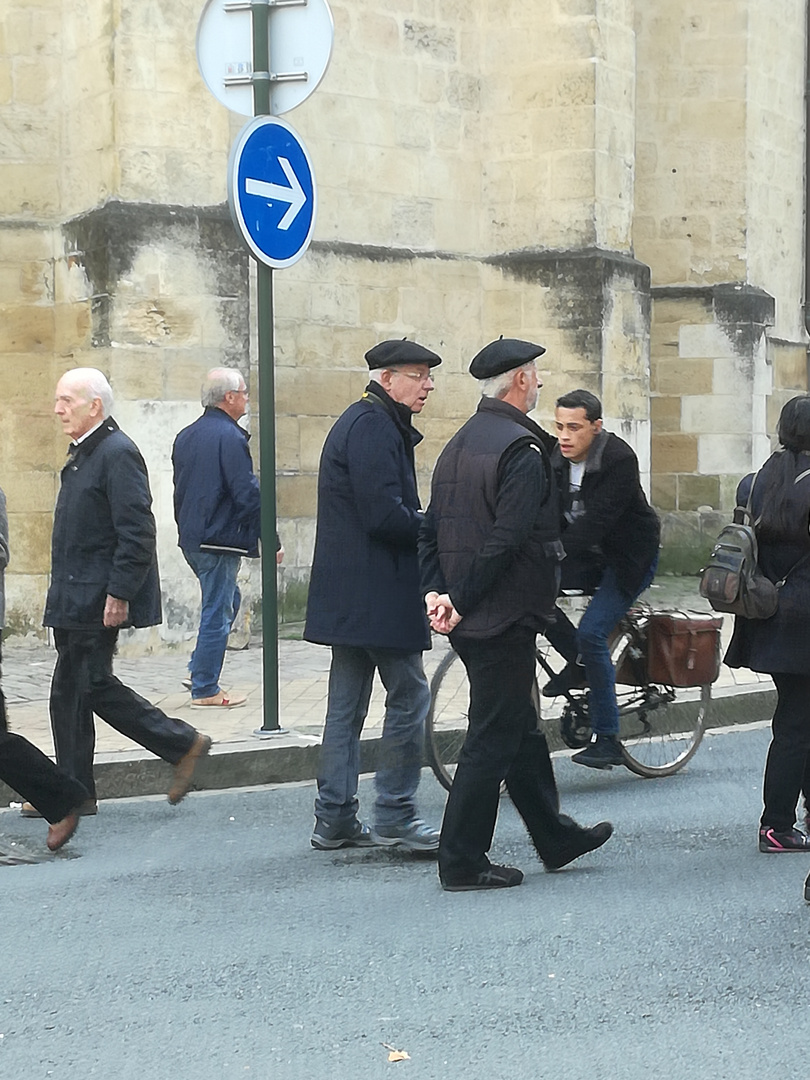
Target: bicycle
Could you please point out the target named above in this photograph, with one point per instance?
(660, 726)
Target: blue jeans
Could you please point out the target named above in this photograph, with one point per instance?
(610, 602)
(407, 702)
(216, 573)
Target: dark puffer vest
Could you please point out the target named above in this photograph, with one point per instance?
(463, 501)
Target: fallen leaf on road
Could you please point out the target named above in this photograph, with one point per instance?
(396, 1055)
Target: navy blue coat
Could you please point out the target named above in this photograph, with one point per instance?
(104, 536)
(781, 643)
(364, 588)
(217, 505)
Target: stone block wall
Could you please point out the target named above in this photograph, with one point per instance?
(620, 180)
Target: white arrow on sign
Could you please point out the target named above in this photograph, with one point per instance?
(294, 194)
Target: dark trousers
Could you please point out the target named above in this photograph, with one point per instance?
(83, 684)
(34, 776)
(787, 768)
(502, 743)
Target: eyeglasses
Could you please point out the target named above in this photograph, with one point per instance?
(415, 375)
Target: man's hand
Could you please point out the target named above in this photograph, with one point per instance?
(280, 556)
(115, 611)
(441, 614)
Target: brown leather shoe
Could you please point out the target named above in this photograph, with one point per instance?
(61, 831)
(184, 769)
(219, 701)
(89, 808)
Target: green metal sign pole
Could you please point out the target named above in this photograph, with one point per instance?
(260, 12)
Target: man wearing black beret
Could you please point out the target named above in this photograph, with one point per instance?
(364, 601)
(490, 552)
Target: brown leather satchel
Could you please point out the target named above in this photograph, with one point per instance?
(683, 648)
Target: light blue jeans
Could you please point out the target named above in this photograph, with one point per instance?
(216, 573)
(406, 705)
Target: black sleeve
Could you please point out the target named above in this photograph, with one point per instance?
(429, 566)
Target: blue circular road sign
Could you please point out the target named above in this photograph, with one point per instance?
(271, 191)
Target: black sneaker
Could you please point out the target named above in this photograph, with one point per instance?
(494, 877)
(792, 840)
(328, 838)
(807, 889)
(580, 844)
(603, 753)
(572, 677)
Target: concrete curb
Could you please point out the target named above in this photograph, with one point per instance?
(291, 758)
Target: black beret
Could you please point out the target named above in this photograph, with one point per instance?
(503, 355)
(391, 353)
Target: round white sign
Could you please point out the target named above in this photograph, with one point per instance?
(300, 40)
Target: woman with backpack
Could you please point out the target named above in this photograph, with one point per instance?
(780, 645)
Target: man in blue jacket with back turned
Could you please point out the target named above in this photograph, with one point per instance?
(218, 513)
(364, 601)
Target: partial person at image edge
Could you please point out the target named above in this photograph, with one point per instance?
(54, 794)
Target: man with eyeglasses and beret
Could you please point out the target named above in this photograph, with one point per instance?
(365, 602)
(490, 551)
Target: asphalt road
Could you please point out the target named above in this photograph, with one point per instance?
(209, 941)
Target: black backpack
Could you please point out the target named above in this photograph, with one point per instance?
(731, 580)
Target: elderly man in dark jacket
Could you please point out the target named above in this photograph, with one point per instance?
(55, 795)
(610, 534)
(490, 553)
(364, 601)
(217, 507)
(104, 576)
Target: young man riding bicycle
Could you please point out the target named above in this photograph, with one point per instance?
(611, 536)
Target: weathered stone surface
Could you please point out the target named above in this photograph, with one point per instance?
(484, 167)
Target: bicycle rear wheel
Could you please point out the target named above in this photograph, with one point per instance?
(660, 727)
(448, 718)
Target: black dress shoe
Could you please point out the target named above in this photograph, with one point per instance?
(572, 677)
(603, 753)
(807, 890)
(494, 877)
(580, 844)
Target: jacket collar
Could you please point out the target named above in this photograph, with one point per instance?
(596, 451)
(85, 448)
(503, 408)
(220, 414)
(401, 414)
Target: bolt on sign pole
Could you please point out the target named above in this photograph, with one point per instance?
(260, 12)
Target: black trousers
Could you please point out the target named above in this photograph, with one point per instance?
(787, 767)
(34, 776)
(83, 684)
(502, 743)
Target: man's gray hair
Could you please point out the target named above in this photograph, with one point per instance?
(499, 385)
(219, 382)
(93, 383)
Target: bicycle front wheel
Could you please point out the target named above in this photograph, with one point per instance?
(446, 723)
(660, 727)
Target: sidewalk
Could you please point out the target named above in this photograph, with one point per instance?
(239, 757)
